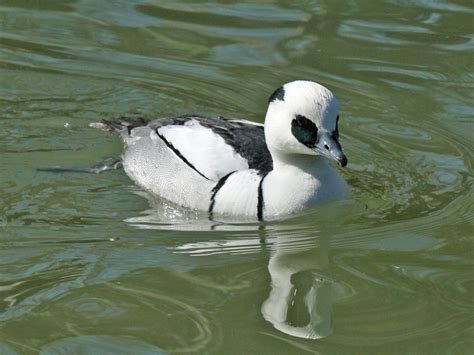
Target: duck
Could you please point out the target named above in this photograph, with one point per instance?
(237, 167)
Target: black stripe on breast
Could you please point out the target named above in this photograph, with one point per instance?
(215, 190)
(260, 201)
(178, 153)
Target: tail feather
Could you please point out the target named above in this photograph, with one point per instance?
(120, 125)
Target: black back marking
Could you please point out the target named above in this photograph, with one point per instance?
(249, 142)
(260, 200)
(215, 190)
(178, 153)
(304, 130)
(278, 94)
(336, 132)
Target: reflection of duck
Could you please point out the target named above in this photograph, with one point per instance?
(235, 166)
(299, 301)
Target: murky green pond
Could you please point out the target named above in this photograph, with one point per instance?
(88, 266)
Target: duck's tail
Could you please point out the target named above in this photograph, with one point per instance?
(122, 125)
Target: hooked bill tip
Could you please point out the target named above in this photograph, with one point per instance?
(343, 161)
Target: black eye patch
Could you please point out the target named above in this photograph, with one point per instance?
(304, 130)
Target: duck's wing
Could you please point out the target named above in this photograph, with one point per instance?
(216, 147)
(212, 147)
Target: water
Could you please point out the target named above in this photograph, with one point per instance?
(89, 266)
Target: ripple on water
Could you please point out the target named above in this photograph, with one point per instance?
(408, 299)
(239, 245)
(100, 344)
(398, 130)
(42, 283)
(427, 169)
(91, 314)
(378, 32)
(171, 324)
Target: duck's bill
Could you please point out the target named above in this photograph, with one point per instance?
(329, 147)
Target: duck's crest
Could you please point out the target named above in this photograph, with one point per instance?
(278, 94)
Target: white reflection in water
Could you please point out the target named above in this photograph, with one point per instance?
(301, 309)
(299, 301)
(165, 215)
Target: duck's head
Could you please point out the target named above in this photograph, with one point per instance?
(302, 118)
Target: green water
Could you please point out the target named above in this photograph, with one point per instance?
(88, 266)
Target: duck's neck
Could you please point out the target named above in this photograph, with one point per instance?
(309, 164)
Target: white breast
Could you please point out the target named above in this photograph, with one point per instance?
(291, 189)
(239, 195)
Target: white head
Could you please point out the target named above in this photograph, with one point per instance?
(302, 119)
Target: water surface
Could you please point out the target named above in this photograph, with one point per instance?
(88, 265)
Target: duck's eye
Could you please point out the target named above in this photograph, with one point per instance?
(304, 130)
